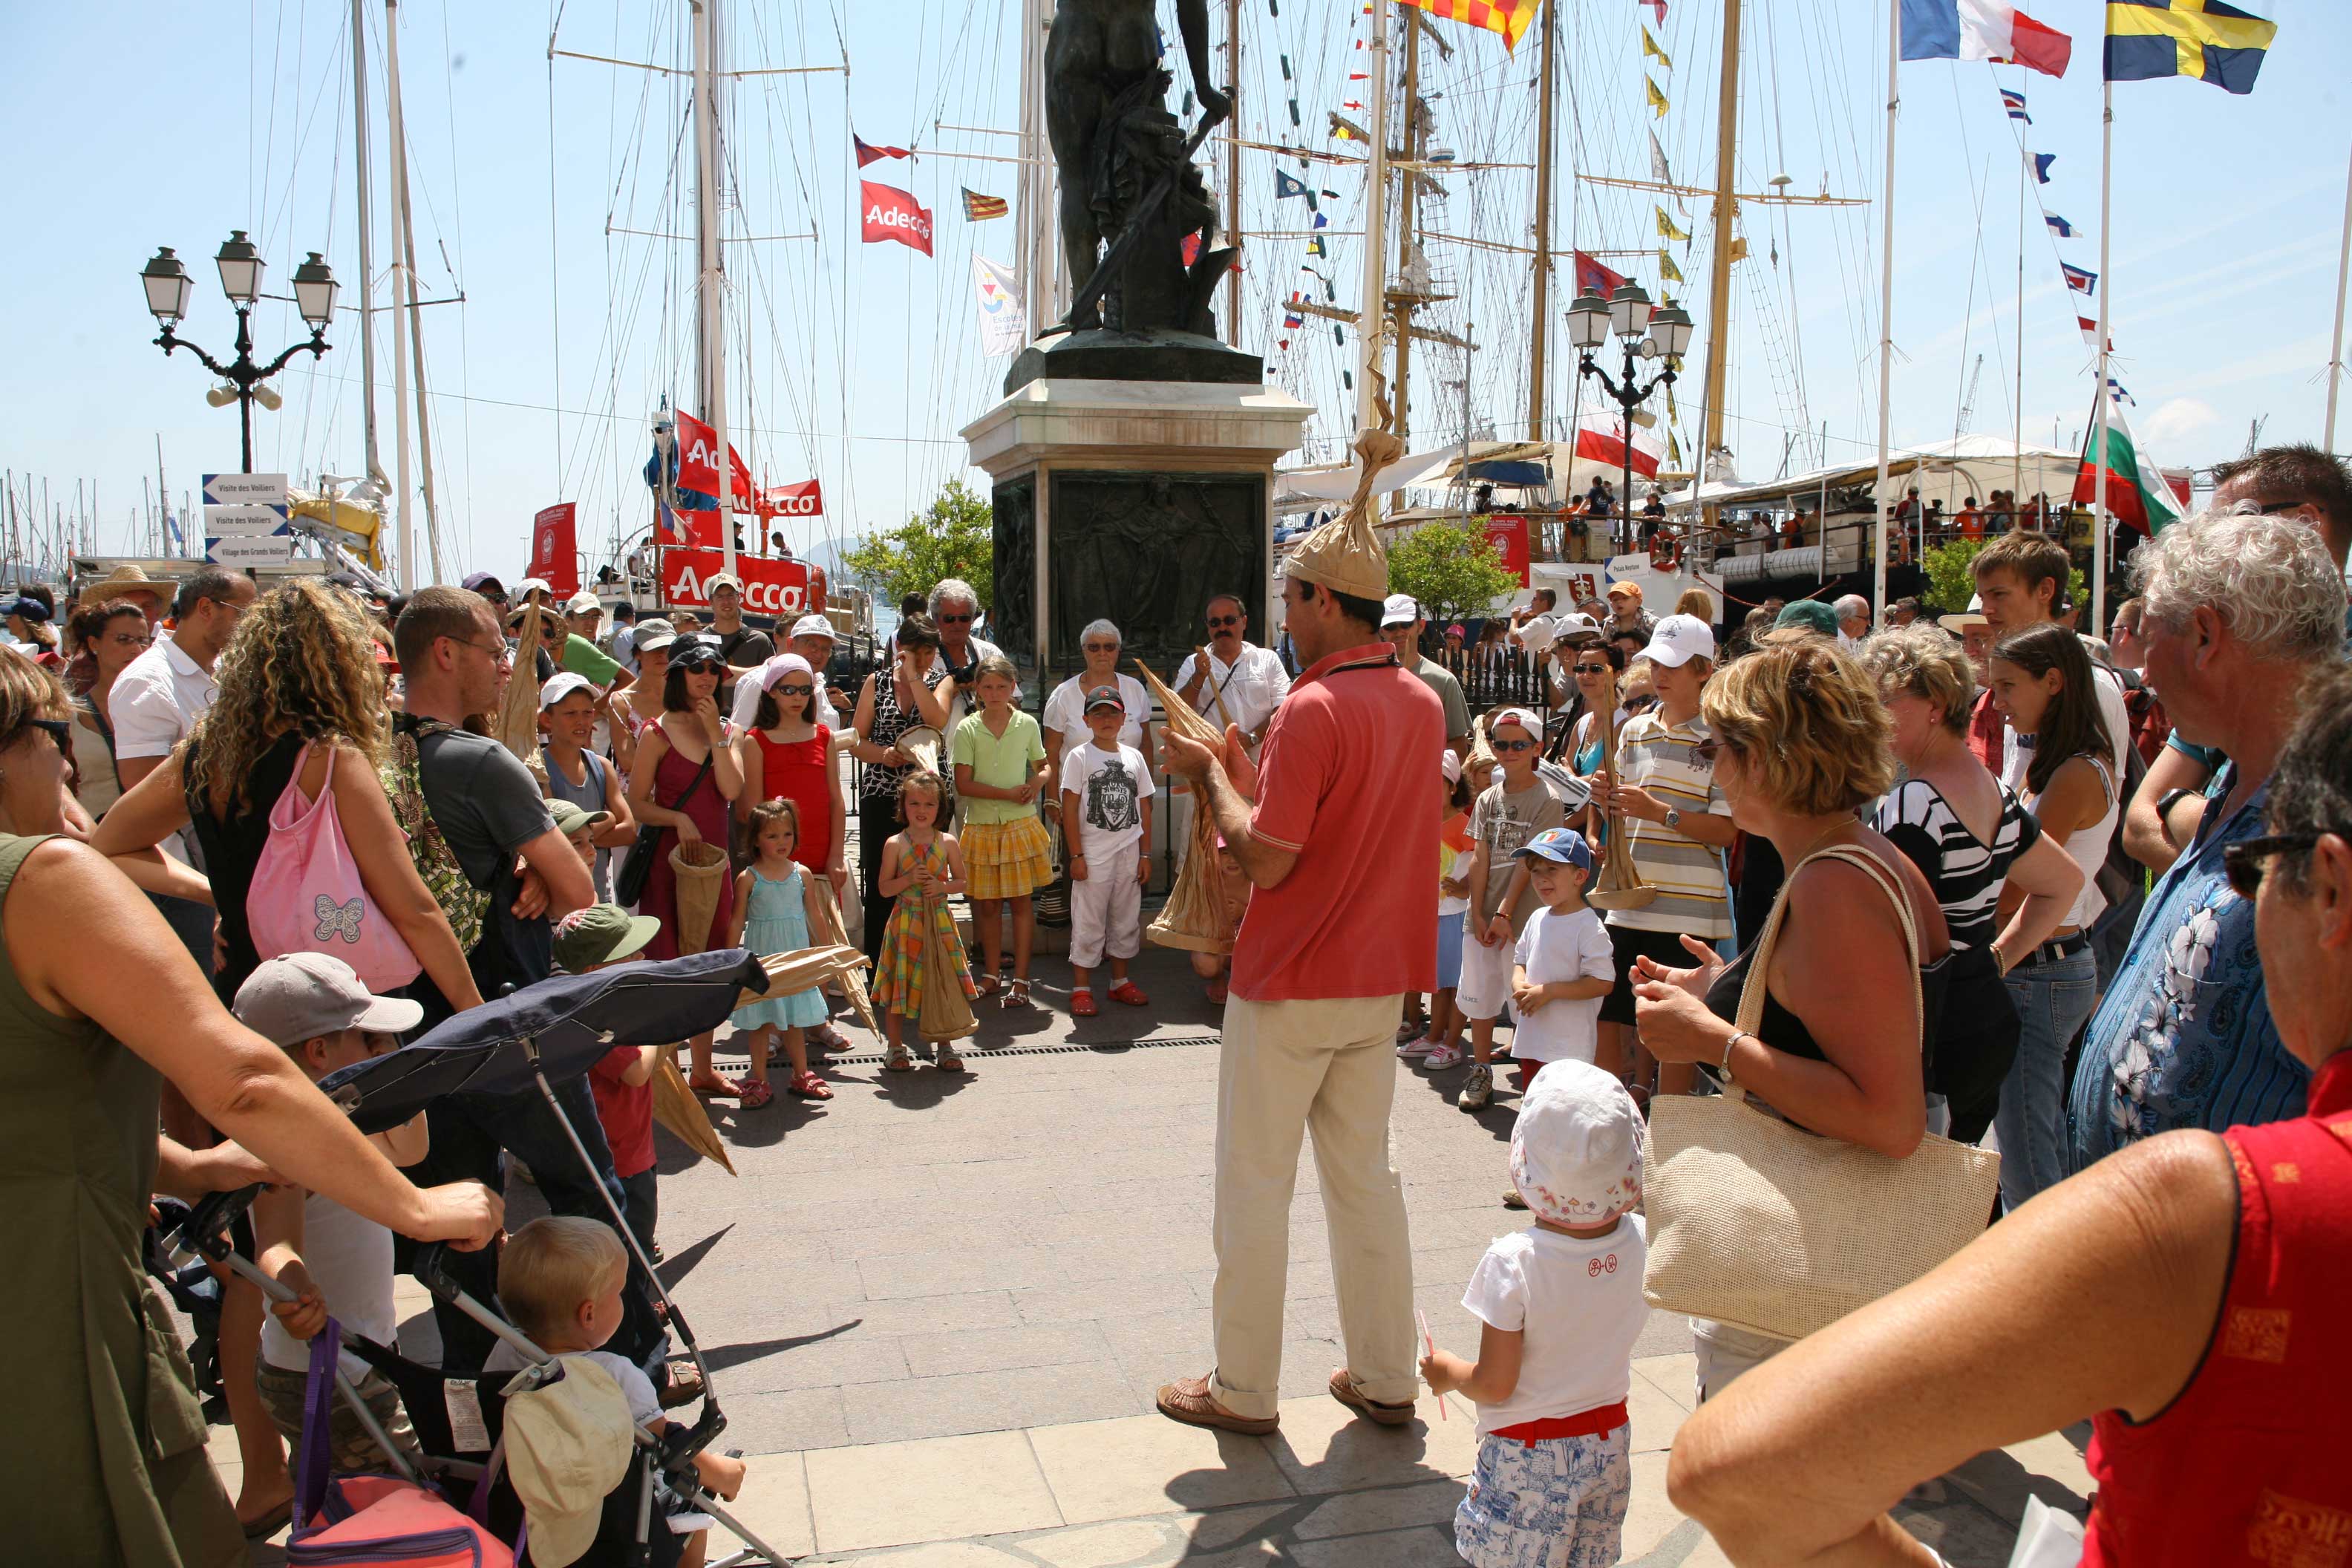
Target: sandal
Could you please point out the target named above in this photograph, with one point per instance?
(1018, 997)
(1082, 1004)
(757, 1092)
(825, 1037)
(947, 1060)
(987, 986)
(900, 1059)
(808, 1085)
(1127, 993)
(723, 1088)
(1216, 993)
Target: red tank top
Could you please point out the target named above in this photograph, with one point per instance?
(2241, 1468)
(795, 771)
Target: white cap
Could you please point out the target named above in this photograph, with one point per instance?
(568, 1445)
(582, 602)
(1576, 1150)
(1679, 639)
(1526, 719)
(1450, 765)
(1400, 610)
(814, 625)
(1973, 616)
(1576, 623)
(653, 634)
(521, 590)
(718, 580)
(561, 685)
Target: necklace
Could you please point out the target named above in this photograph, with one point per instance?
(1840, 825)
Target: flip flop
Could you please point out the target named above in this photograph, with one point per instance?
(270, 1523)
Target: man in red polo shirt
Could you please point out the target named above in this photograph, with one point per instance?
(1342, 921)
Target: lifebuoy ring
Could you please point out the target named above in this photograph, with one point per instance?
(1665, 553)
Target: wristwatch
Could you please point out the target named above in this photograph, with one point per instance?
(1672, 819)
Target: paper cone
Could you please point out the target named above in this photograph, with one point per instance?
(1199, 917)
(832, 931)
(805, 970)
(676, 1108)
(516, 723)
(919, 744)
(701, 869)
(946, 1011)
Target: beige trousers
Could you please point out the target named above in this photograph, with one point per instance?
(1289, 1066)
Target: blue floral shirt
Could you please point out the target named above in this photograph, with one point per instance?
(2184, 1036)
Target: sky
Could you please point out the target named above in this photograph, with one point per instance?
(863, 361)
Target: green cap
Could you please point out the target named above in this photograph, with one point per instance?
(600, 934)
(570, 818)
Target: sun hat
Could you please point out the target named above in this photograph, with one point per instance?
(560, 685)
(1106, 697)
(1400, 610)
(653, 634)
(300, 996)
(600, 934)
(1678, 640)
(571, 816)
(1967, 620)
(1808, 615)
(568, 1446)
(1576, 1150)
(1562, 846)
(1456, 630)
(814, 625)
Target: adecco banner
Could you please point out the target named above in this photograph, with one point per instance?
(785, 589)
(1508, 535)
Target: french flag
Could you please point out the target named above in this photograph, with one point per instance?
(1982, 30)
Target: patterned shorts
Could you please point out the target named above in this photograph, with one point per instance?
(350, 1448)
(1560, 1504)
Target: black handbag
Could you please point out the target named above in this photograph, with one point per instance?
(637, 865)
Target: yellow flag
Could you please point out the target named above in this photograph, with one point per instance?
(1651, 50)
(1657, 99)
(1667, 229)
(1674, 450)
(1666, 267)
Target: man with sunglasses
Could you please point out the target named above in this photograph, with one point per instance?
(1250, 680)
(2242, 611)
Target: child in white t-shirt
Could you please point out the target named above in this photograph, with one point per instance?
(1107, 793)
(1565, 963)
(1562, 1306)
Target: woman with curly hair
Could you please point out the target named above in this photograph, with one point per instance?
(301, 702)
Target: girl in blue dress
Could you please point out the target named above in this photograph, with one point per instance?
(775, 910)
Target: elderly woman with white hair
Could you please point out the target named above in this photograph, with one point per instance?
(1065, 717)
(954, 606)
(2240, 611)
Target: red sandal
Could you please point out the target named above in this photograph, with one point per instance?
(757, 1092)
(1082, 1004)
(1129, 994)
(808, 1085)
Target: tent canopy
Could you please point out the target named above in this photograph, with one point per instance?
(1949, 471)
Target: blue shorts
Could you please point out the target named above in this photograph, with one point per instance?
(1557, 1503)
(1449, 949)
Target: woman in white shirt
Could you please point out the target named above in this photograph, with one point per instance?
(1063, 720)
(2041, 682)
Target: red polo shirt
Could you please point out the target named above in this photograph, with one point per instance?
(1349, 781)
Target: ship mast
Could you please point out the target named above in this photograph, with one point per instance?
(1376, 191)
(1409, 291)
(1718, 309)
(367, 244)
(1542, 321)
(710, 272)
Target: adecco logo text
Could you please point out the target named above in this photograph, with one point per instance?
(761, 596)
(879, 216)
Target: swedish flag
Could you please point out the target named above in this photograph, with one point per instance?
(2204, 39)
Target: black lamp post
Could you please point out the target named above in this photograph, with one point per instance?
(1628, 313)
(168, 287)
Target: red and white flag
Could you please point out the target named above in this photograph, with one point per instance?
(1599, 438)
(698, 462)
(802, 500)
(893, 213)
(2091, 332)
(867, 152)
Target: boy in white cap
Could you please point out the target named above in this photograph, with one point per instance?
(314, 1006)
(1561, 1305)
(1515, 808)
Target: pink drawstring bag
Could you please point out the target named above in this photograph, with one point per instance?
(306, 896)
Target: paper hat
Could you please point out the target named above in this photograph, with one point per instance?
(1344, 554)
(1576, 1150)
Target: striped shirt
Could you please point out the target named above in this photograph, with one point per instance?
(1965, 872)
(1692, 897)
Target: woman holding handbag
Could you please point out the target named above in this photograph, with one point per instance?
(1829, 1035)
(686, 760)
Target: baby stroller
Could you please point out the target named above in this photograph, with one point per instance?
(192, 1288)
(538, 1037)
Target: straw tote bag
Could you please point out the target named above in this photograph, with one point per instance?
(1757, 1224)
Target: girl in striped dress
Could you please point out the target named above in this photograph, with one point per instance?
(922, 869)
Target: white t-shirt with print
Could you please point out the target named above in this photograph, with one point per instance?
(1111, 787)
(1579, 1305)
(1573, 945)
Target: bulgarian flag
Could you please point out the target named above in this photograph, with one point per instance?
(2138, 493)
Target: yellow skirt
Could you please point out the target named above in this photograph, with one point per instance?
(1007, 859)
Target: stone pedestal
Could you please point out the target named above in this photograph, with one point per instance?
(1138, 500)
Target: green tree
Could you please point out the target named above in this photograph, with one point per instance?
(952, 537)
(1951, 577)
(1453, 569)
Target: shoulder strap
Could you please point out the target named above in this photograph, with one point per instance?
(1752, 994)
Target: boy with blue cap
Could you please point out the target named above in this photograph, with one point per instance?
(1565, 963)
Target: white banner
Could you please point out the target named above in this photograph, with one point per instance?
(1002, 328)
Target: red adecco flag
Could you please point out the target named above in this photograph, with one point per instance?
(1590, 274)
(802, 500)
(894, 213)
(555, 550)
(698, 462)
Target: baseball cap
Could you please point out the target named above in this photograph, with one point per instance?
(1678, 640)
(814, 626)
(1564, 845)
(524, 589)
(695, 645)
(560, 685)
(600, 934)
(1400, 610)
(581, 602)
(653, 634)
(711, 585)
(1967, 619)
(301, 995)
(1106, 697)
(482, 583)
(568, 1445)
(26, 609)
(1575, 624)
(1526, 719)
(1617, 588)
(1810, 614)
(1576, 1150)
(571, 816)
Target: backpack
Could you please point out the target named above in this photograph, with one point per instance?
(2120, 875)
(463, 903)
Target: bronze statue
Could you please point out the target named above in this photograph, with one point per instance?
(1127, 173)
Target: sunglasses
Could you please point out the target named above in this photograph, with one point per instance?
(1591, 669)
(794, 690)
(1225, 620)
(58, 730)
(696, 663)
(2246, 862)
(955, 620)
(1706, 750)
(1506, 746)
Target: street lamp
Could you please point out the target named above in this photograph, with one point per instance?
(1647, 333)
(168, 286)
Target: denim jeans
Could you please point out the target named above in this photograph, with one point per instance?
(2053, 1000)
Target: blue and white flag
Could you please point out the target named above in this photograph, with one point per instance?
(2058, 226)
(2041, 161)
(2081, 280)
